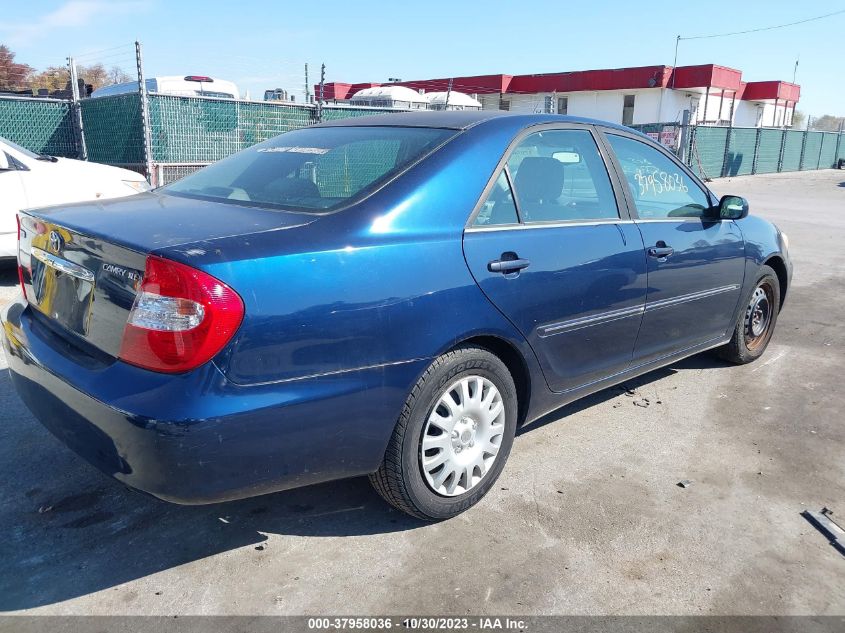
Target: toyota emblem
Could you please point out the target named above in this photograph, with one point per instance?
(56, 242)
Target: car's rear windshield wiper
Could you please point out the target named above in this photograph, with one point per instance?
(48, 158)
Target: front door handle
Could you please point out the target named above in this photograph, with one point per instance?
(509, 263)
(661, 251)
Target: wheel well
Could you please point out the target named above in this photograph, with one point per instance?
(776, 264)
(515, 363)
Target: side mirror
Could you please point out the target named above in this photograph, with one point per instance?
(733, 208)
(4, 162)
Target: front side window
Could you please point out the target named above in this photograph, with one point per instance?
(315, 170)
(559, 176)
(660, 188)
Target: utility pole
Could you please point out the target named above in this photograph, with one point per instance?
(145, 118)
(322, 93)
(675, 62)
(307, 87)
(81, 148)
(795, 70)
(448, 94)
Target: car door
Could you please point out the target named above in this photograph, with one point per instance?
(696, 263)
(12, 194)
(549, 247)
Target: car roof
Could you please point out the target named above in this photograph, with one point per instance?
(460, 119)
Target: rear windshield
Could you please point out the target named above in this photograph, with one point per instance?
(314, 169)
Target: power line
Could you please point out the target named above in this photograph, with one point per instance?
(765, 28)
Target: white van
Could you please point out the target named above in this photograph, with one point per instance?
(188, 86)
(28, 180)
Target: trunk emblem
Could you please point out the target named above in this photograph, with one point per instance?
(56, 242)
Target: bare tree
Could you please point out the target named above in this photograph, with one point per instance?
(118, 76)
(827, 123)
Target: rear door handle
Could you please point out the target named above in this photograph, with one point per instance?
(507, 265)
(660, 252)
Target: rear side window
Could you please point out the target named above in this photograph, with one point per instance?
(498, 207)
(559, 176)
(660, 188)
(315, 169)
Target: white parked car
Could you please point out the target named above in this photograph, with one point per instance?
(29, 180)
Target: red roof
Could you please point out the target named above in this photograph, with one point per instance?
(613, 79)
(706, 76)
(771, 90)
(683, 77)
(474, 84)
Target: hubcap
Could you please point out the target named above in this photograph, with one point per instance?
(758, 315)
(462, 436)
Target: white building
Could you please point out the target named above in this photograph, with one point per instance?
(714, 95)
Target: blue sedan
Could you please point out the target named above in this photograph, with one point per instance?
(387, 296)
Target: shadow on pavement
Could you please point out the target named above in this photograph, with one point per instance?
(71, 531)
(704, 360)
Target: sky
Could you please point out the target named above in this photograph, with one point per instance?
(261, 45)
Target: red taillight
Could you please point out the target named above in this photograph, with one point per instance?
(20, 268)
(181, 318)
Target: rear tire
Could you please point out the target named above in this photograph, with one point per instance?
(462, 414)
(756, 322)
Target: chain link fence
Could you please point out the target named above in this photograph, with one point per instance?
(113, 131)
(716, 152)
(187, 133)
(44, 126)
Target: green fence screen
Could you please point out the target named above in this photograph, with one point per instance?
(740, 157)
(812, 150)
(768, 151)
(187, 133)
(333, 113)
(792, 150)
(201, 130)
(41, 125)
(828, 151)
(708, 151)
(113, 130)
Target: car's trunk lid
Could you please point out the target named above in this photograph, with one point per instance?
(83, 263)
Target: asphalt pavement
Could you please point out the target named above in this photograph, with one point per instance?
(587, 517)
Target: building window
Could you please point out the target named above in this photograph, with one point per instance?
(563, 105)
(628, 110)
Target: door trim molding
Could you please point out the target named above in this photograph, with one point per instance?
(693, 296)
(561, 327)
(583, 322)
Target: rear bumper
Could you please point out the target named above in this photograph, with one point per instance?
(197, 438)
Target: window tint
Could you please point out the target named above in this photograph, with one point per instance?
(316, 169)
(559, 175)
(661, 189)
(499, 207)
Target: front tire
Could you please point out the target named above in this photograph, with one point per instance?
(756, 322)
(453, 437)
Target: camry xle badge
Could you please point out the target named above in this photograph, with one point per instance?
(56, 242)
